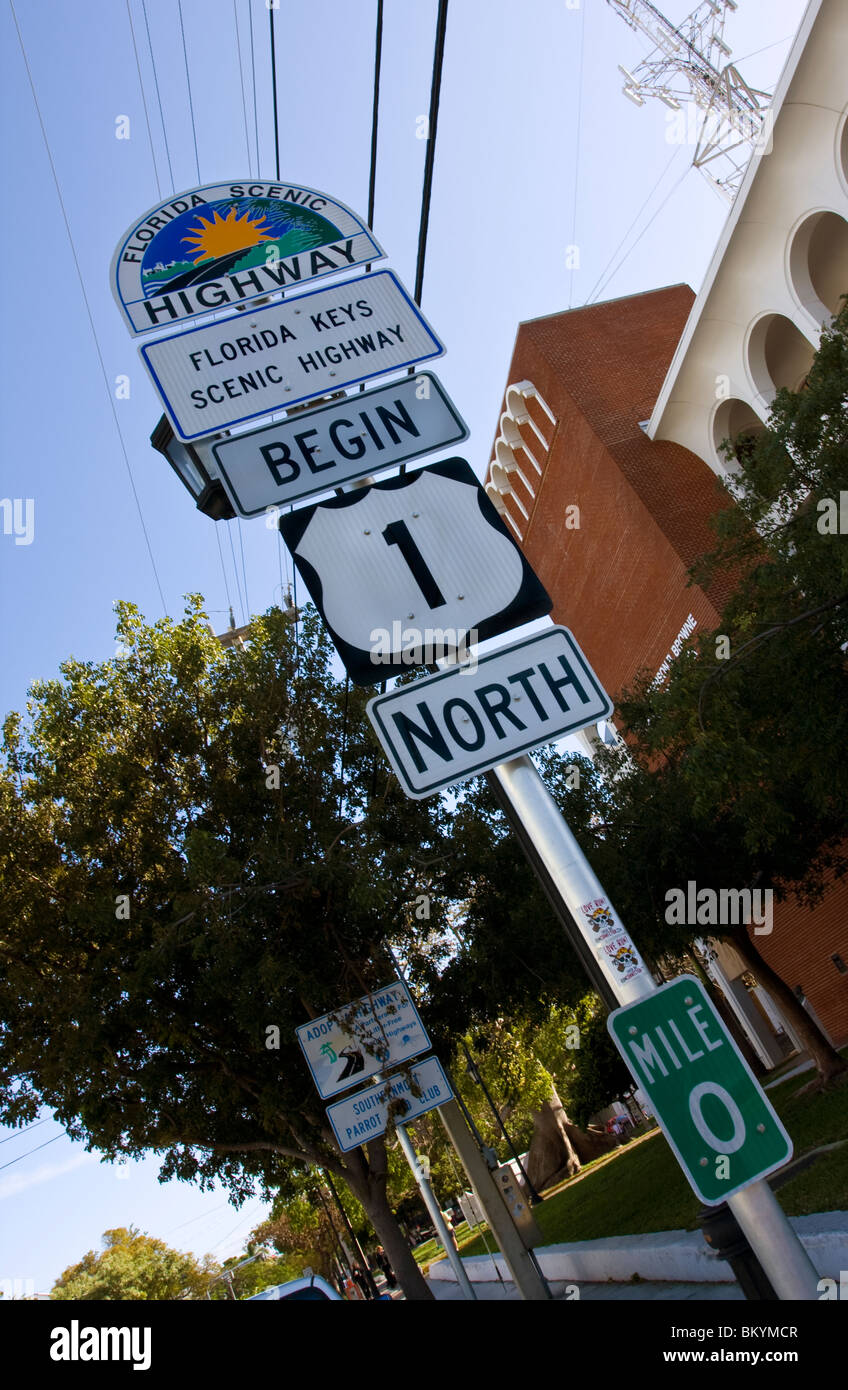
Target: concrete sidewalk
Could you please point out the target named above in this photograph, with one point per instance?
(661, 1261)
(448, 1291)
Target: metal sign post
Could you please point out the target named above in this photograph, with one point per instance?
(780, 1252)
(429, 1199)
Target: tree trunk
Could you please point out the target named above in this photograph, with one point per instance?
(589, 1144)
(367, 1181)
(551, 1157)
(826, 1059)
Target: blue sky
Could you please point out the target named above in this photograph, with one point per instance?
(530, 160)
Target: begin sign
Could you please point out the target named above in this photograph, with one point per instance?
(713, 1112)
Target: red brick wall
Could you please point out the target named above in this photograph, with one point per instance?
(619, 581)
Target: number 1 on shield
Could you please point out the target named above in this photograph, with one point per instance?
(397, 533)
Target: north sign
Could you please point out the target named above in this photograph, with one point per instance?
(712, 1110)
(345, 1047)
(454, 725)
(411, 569)
(365, 1114)
(316, 450)
(226, 243)
(247, 365)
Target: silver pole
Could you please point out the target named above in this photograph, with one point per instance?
(435, 1212)
(777, 1247)
(781, 1254)
(569, 869)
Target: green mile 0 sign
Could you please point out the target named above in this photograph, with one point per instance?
(713, 1112)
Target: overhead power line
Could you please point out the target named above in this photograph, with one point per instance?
(25, 1130)
(144, 102)
(158, 95)
(577, 150)
(243, 97)
(274, 93)
(375, 113)
(106, 381)
(21, 1157)
(188, 84)
(429, 161)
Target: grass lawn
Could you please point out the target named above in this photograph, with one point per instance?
(643, 1189)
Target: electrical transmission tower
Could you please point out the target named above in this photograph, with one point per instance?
(687, 67)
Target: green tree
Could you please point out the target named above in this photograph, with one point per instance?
(134, 1266)
(735, 773)
(200, 849)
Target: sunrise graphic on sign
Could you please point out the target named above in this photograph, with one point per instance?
(225, 234)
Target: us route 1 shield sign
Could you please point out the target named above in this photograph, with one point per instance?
(238, 368)
(226, 243)
(713, 1111)
(357, 1040)
(411, 569)
(316, 450)
(365, 1114)
(456, 724)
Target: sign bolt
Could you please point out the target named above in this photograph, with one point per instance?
(703, 1162)
(366, 533)
(410, 615)
(460, 595)
(688, 999)
(631, 1030)
(761, 1129)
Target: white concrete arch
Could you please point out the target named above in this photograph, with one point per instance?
(817, 263)
(731, 419)
(776, 353)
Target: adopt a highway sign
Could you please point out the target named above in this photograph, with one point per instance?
(354, 1042)
(316, 450)
(365, 1114)
(412, 568)
(454, 725)
(713, 1111)
(241, 367)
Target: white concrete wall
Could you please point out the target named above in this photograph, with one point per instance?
(751, 276)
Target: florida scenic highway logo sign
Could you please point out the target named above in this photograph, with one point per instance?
(224, 244)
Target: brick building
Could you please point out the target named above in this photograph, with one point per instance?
(606, 458)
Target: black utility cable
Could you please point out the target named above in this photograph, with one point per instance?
(432, 123)
(274, 89)
(19, 1132)
(375, 112)
(32, 1151)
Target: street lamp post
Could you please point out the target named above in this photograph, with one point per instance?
(194, 474)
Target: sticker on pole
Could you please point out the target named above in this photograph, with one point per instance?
(713, 1111)
(355, 1041)
(225, 243)
(365, 1114)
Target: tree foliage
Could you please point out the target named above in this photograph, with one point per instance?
(200, 849)
(134, 1266)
